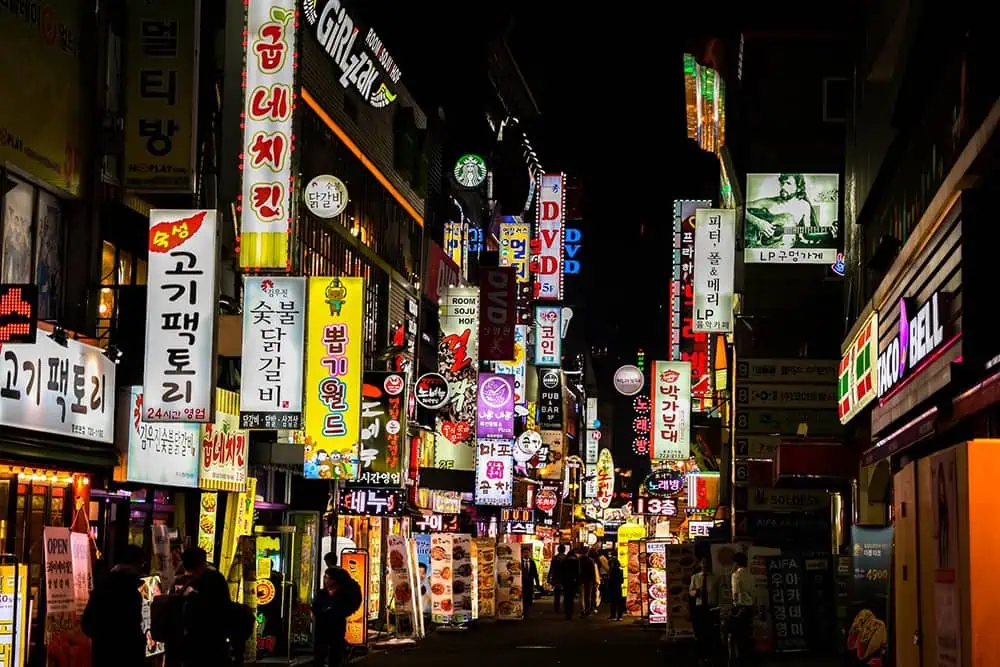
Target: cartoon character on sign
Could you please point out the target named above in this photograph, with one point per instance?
(336, 296)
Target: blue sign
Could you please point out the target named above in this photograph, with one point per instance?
(571, 245)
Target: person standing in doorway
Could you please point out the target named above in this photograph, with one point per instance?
(741, 616)
(553, 576)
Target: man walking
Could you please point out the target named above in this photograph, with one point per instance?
(113, 617)
(553, 576)
(588, 580)
(568, 578)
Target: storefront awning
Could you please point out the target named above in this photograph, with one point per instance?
(16, 447)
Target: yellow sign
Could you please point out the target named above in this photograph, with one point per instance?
(265, 592)
(515, 238)
(160, 96)
(207, 522)
(627, 532)
(12, 639)
(333, 377)
(40, 119)
(356, 564)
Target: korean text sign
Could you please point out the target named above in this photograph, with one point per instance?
(274, 311)
(495, 472)
(265, 214)
(59, 586)
(495, 413)
(687, 344)
(548, 335)
(458, 362)
(165, 454)
(515, 238)
(671, 410)
(224, 447)
(498, 314)
(550, 401)
(714, 257)
(548, 267)
(517, 368)
(179, 381)
(54, 389)
(605, 479)
(333, 377)
(383, 427)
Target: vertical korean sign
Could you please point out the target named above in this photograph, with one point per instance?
(714, 257)
(548, 267)
(335, 314)
(458, 362)
(517, 368)
(671, 411)
(495, 473)
(266, 204)
(161, 94)
(685, 343)
(498, 305)
(548, 336)
(383, 426)
(179, 381)
(495, 413)
(273, 335)
(224, 447)
(515, 238)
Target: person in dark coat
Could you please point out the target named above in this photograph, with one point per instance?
(553, 578)
(207, 613)
(529, 579)
(568, 577)
(113, 616)
(616, 579)
(339, 598)
(588, 582)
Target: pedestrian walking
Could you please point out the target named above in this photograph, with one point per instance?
(704, 595)
(588, 580)
(615, 582)
(113, 616)
(553, 577)
(603, 569)
(568, 577)
(741, 616)
(529, 579)
(207, 613)
(339, 598)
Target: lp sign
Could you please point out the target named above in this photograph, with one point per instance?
(573, 241)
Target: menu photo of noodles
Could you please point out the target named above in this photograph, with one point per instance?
(463, 584)
(442, 576)
(510, 598)
(486, 569)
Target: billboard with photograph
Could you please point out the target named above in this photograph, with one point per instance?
(792, 218)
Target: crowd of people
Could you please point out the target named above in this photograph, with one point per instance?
(196, 620)
(587, 573)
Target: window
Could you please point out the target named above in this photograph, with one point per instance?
(34, 241)
(119, 268)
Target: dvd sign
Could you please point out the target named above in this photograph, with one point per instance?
(921, 333)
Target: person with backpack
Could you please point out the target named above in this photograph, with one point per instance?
(336, 601)
(113, 616)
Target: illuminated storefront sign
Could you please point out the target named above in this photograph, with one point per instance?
(791, 218)
(365, 67)
(629, 380)
(714, 261)
(326, 196)
(919, 336)
(548, 267)
(856, 384)
(495, 472)
(605, 479)
(515, 238)
(655, 506)
(266, 206)
(225, 449)
(571, 247)
(705, 102)
(470, 171)
(455, 243)
(665, 483)
(18, 314)
(383, 426)
(498, 300)
(548, 336)
(685, 343)
(671, 410)
(641, 424)
(458, 362)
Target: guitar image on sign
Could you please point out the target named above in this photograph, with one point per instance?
(788, 219)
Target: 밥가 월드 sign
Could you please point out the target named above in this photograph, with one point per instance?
(179, 380)
(383, 427)
(333, 377)
(274, 325)
(458, 362)
(266, 209)
(671, 410)
(224, 447)
(66, 391)
(167, 454)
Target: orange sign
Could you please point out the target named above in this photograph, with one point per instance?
(166, 236)
(356, 564)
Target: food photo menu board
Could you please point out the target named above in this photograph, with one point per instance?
(633, 598)
(486, 566)
(442, 603)
(462, 584)
(401, 578)
(656, 581)
(510, 597)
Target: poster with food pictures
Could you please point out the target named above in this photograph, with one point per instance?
(462, 583)
(375, 574)
(442, 602)
(510, 597)
(633, 596)
(680, 568)
(400, 568)
(486, 565)
(656, 581)
(207, 521)
(423, 546)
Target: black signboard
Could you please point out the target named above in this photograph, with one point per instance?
(383, 427)
(372, 502)
(872, 551)
(786, 579)
(435, 522)
(778, 527)
(18, 314)
(820, 601)
(550, 399)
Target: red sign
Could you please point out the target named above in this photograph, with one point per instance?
(497, 312)
(439, 273)
(18, 314)
(546, 500)
(686, 345)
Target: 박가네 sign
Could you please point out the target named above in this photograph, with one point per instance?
(922, 331)
(548, 336)
(548, 268)
(66, 391)
(495, 472)
(791, 218)
(166, 454)
(714, 258)
(224, 447)
(495, 412)
(266, 207)
(383, 426)
(274, 325)
(179, 380)
(333, 377)
(458, 362)
(671, 411)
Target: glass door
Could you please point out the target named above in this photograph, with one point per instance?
(276, 591)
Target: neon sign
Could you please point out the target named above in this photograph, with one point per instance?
(919, 337)
(571, 247)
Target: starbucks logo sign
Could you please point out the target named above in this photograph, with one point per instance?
(470, 171)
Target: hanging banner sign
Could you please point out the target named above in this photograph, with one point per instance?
(495, 412)
(515, 238)
(224, 447)
(274, 328)
(548, 336)
(498, 314)
(605, 479)
(458, 362)
(383, 425)
(714, 262)
(548, 267)
(550, 403)
(671, 410)
(495, 473)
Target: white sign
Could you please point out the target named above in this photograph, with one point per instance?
(83, 578)
(267, 119)
(590, 481)
(671, 411)
(61, 390)
(526, 446)
(179, 381)
(470, 171)
(791, 218)
(518, 368)
(273, 338)
(59, 587)
(786, 395)
(757, 447)
(591, 412)
(548, 267)
(698, 529)
(326, 196)
(714, 259)
(629, 380)
(591, 445)
(548, 341)
(166, 454)
(495, 472)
